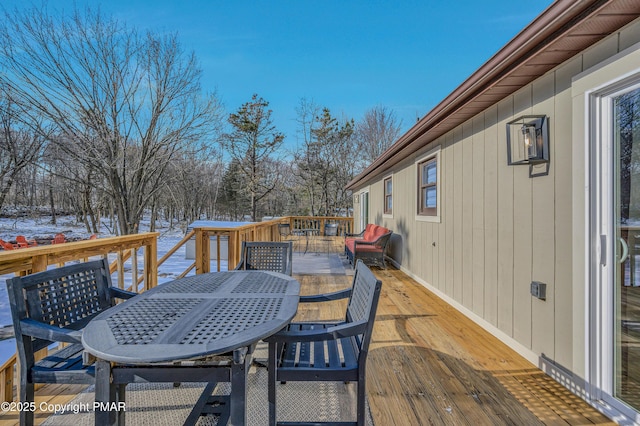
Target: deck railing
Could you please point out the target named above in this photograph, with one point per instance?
(138, 279)
(259, 231)
(39, 258)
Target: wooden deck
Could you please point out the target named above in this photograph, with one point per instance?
(429, 364)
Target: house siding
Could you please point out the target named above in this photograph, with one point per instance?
(499, 229)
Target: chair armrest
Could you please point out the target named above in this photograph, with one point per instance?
(50, 332)
(354, 235)
(333, 332)
(121, 294)
(239, 266)
(365, 243)
(341, 294)
(374, 242)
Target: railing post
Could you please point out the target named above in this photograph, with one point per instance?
(151, 264)
(219, 250)
(233, 257)
(121, 260)
(6, 379)
(202, 251)
(134, 269)
(39, 263)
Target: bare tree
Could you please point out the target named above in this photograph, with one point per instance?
(377, 131)
(308, 113)
(20, 146)
(193, 186)
(252, 143)
(125, 104)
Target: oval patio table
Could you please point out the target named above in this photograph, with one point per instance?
(187, 319)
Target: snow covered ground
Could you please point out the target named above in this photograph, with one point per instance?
(41, 228)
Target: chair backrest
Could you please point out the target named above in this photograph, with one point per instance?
(363, 303)
(66, 297)
(5, 245)
(284, 229)
(331, 229)
(267, 256)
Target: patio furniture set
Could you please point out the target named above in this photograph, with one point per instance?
(370, 245)
(22, 242)
(202, 328)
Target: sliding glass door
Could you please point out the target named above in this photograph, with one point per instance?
(625, 310)
(615, 294)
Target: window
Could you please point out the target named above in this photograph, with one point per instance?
(428, 187)
(388, 196)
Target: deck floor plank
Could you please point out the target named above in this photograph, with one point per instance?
(443, 356)
(430, 365)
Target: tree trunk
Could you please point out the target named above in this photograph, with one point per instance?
(52, 203)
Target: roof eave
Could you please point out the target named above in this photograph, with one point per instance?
(548, 27)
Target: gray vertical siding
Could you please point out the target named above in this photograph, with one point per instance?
(500, 229)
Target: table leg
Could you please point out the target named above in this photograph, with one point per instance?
(121, 398)
(105, 396)
(239, 373)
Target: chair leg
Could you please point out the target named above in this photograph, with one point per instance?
(272, 383)
(361, 401)
(27, 394)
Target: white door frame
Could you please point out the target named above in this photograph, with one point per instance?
(365, 204)
(601, 297)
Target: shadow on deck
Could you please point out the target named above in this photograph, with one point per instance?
(428, 363)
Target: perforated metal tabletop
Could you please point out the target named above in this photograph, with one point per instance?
(194, 317)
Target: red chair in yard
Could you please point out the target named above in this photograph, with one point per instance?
(23, 242)
(58, 239)
(7, 246)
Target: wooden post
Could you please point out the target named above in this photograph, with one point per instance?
(134, 270)
(218, 251)
(39, 263)
(203, 258)
(120, 269)
(151, 264)
(6, 379)
(198, 259)
(234, 255)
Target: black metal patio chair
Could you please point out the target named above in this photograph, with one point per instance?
(53, 306)
(330, 232)
(266, 256)
(328, 351)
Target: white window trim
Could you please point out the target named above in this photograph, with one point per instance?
(384, 197)
(434, 153)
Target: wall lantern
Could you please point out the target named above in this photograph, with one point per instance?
(528, 140)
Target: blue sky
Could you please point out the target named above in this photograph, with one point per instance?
(346, 55)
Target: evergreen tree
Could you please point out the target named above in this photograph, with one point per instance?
(251, 144)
